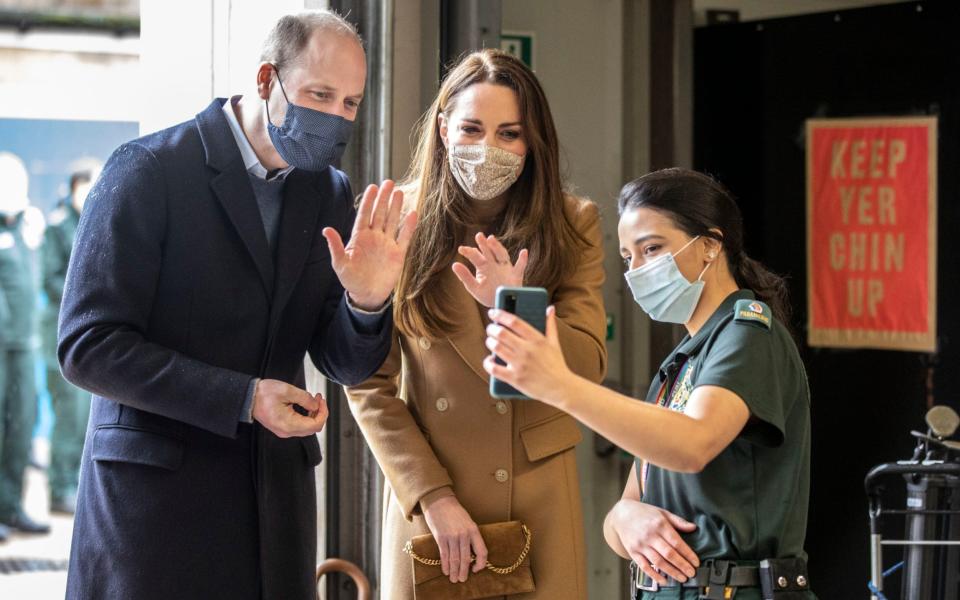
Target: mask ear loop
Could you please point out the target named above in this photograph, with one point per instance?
(266, 101)
(712, 258)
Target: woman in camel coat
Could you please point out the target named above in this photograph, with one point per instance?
(485, 182)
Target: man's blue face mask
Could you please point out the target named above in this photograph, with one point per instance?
(308, 139)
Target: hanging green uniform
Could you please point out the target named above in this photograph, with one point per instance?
(750, 502)
(71, 405)
(18, 342)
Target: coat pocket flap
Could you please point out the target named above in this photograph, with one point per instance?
(138, 446)
(311, 446)
(549, 437)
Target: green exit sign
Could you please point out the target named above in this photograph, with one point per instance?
(519, 44)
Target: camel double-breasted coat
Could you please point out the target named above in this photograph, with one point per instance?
(435, 430)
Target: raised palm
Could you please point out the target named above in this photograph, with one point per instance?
(492, 268)
(369, 266)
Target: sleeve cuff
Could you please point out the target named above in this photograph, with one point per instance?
(367, 321)
(246, 415)
(431, 497)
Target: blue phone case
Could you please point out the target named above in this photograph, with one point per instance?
(530, 304)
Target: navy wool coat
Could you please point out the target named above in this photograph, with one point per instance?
(173, 303)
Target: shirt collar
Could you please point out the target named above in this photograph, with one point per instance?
(250, 161)
(691, 345)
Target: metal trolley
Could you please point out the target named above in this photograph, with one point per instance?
(931, 556)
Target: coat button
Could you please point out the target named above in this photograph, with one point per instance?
(801, 581)
(442, 404)
(782, 581)
(501, 475)
(424, 343)
(502, 407)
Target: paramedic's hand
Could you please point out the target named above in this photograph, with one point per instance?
(535, 364)
(273, 408)
(492, 266)
(649, 535)
(455, 533)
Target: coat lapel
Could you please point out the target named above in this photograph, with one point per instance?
(232, 188)
(468, 340)
(298, 224)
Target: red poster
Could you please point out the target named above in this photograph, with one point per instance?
(871, 232)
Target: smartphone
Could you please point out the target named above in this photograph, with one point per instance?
(530, 304)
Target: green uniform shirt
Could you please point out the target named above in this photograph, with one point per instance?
(18, 286)
(57, 245)
(750, 502)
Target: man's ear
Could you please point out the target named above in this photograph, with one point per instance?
(443, 128)
(265, 80)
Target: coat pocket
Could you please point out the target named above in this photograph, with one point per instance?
(311, 447)
(136, 446)
(550, 437)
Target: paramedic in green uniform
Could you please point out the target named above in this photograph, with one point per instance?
(21, 231)
(71, 405)
(722, 476)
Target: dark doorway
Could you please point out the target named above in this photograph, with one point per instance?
(755, 84)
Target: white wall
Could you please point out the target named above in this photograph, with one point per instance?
(81, 76)
(578, 58)
(196, 50)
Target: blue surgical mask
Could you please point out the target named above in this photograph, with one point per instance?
(309, 139)
(663, 292)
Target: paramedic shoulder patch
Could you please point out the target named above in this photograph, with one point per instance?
(754, 312)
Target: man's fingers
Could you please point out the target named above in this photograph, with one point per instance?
(393, 213)
(365, 211)
(382, 206)
(335, 243)
(305, 400)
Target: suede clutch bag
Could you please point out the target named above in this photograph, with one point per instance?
(507, 572)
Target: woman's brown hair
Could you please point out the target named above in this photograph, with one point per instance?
(534, 217)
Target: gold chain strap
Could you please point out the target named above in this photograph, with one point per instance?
(430, 562)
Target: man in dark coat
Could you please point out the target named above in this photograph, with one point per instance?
(199, 281)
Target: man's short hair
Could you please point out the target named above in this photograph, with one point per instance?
(290, 35)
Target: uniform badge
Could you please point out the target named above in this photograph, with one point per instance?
(753, 312)
(7, 240)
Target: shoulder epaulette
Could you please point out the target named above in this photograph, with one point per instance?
(753, 312)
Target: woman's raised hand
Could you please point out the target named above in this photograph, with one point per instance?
(458, 538)
(492, 268)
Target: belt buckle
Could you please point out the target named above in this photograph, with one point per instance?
(638, 575)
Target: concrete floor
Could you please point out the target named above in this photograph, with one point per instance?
(55, 547)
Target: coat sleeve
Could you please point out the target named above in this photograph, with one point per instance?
(348, 346)
(403, 453)
(109, 296)
(581, 320)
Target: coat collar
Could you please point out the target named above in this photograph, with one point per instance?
(467, 341)
(232, 188)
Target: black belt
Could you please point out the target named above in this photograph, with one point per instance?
(712, 578)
